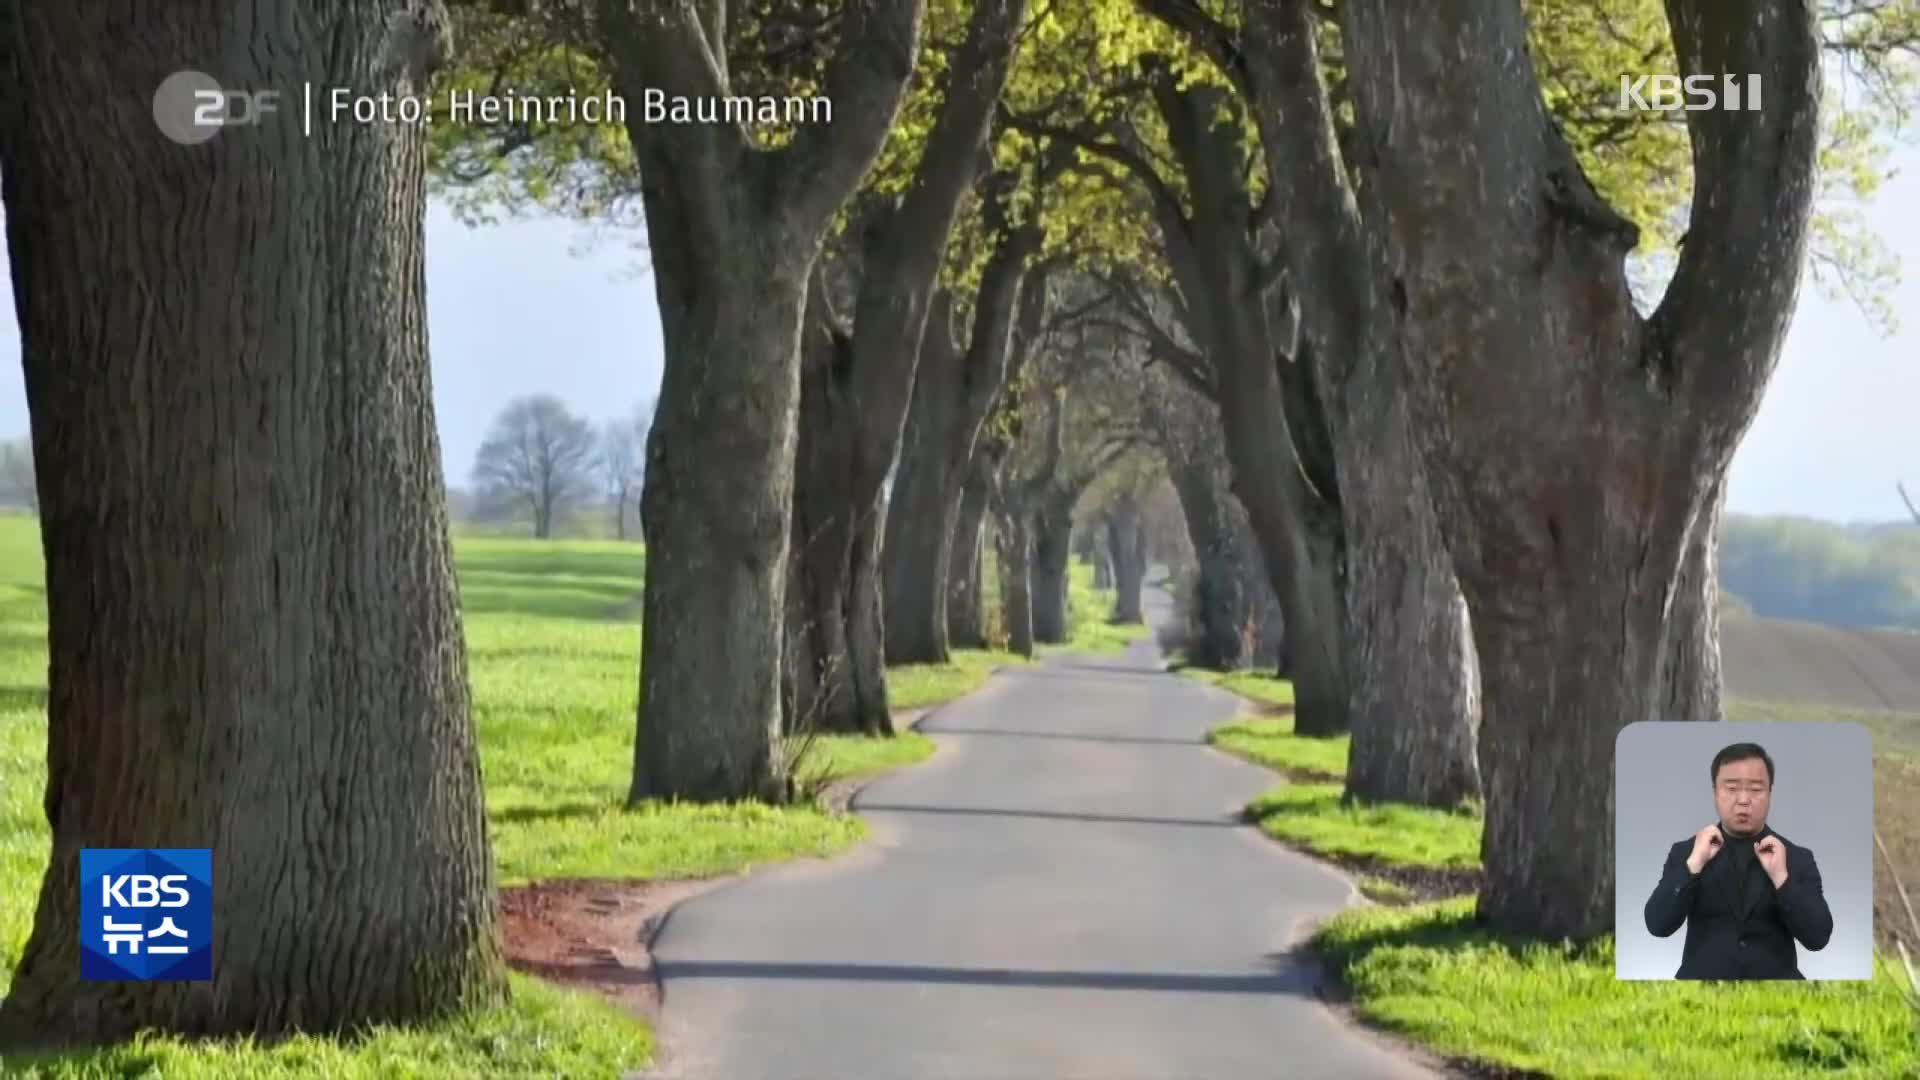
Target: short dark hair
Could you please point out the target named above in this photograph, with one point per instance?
(1741, 751)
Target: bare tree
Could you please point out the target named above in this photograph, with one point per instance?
(539, 454)
(16, 475)
(622, 464)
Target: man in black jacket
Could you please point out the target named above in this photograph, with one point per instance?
(1745, 893)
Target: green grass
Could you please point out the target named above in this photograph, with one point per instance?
(1309, 812)
(1262, 687)
(23, 733)
(544, 1033)
(1272, 743)
(1431, 973)
(1089, 615)
(1313, 816)
(1383, 891)
(918, 686)
(553, 635)
(1893, 732)
(853, 758)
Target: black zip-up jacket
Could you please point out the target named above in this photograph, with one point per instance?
(1738, 925)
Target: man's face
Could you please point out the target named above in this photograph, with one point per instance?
(1741, 793)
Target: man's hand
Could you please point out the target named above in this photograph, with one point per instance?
(1706, 844)
(1772, 854)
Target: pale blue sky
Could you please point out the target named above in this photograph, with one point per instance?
(535, 306)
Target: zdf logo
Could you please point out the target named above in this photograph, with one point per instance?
(143, 891)
(191, 107)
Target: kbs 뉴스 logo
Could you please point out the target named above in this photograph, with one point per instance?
(146, 914)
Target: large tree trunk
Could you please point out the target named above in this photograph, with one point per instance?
(1395, 656)
(1569, 487)
(1214, 593)
(966, 603)
(1415, 695)
(834, 687)
(1274, 431)
(1013, 545)
(954, 391)
(866, 631)
(253, 635)
(1690, 682)
(1127, 542)
(715, 514)
(1052, 567)
(925, 499)
(901, 245)
(733, 231)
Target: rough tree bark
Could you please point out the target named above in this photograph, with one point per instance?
(253, 635)
(901, 244)
(966, 601)
(1281, 474)
(987, 495)
(733, 232)
(1051, 523)
(1572, 488)
(1690, 683)
(1127, 544)
(1013, 546)
(834, 665)
(1413, 678)
(954, 391)
(1410, 686)
(1216, 641)
(1094, 546)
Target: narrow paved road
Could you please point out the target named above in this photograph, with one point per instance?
(1063, 892)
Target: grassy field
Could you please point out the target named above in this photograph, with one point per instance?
(1430, 972)
(1798, 663)
(553, 636)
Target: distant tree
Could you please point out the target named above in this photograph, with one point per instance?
(16, 474)
(1800, 568)
(540, 455)
(622, 464)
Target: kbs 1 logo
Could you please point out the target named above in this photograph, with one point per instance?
(146, 914)
(1671, 93)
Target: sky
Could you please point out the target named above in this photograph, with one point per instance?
(543, 306)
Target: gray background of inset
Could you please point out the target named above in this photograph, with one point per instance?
(1822, 800)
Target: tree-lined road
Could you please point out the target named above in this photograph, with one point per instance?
(1064, 892)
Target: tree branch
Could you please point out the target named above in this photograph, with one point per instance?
(1137, 166)
(661, 44)
(879, 44)
(1725, 313)
(1323, 248)
(1207, 34)
(916, 231)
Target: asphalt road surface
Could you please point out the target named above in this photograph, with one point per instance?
(1063, 892)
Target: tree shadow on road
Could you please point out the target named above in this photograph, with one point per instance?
(937, 728)
(1222, 822)
(1288, 977)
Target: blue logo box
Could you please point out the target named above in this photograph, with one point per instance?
(146, 914)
